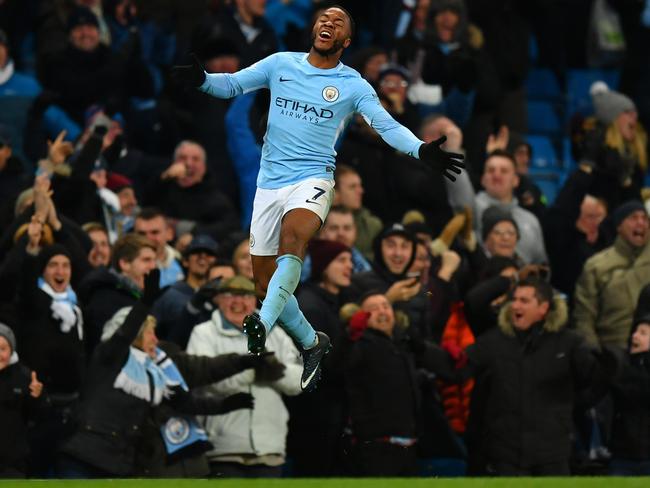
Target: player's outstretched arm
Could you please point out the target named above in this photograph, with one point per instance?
(404, 140)
(445, 162)
(192, 75)
(225, 85)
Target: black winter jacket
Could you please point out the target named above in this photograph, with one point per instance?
(152, 459)
(103, 293)
(532, 383)
(631, 424)
(111, 422)
(57, 356)
(381, 387)
(16, 406)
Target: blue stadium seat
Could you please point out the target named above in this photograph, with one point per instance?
(567, 158)
(543, 119)
(549, 182)
(579, 82)
(542, 84)
(544, 155)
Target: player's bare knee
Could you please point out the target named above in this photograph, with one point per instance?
(292, 243)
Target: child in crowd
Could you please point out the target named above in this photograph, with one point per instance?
(630, 442)
(20, 396)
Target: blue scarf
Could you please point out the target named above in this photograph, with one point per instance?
(135, 376)
(179, 433)
(64, 307)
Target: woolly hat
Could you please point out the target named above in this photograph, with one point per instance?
(609, 104)
(82, 16)
(117, 182)
(322, 253)
(492, 216)
(8, 334)
(49, 252)
(626, 209)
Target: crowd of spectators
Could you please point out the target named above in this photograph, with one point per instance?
(477, 327)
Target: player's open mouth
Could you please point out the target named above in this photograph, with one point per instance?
(325, 35)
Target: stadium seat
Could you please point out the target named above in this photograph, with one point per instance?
(579, 82)
(544, 155)
(543, 118)
(542, 84)
(549, 182)
(567, 157)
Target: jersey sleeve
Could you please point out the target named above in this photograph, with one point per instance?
(227, 85)
(391, 131)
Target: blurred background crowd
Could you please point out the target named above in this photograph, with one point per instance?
(125, 274)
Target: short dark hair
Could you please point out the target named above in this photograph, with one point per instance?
(353, 26)
(503, 154)
(340, 209)
(150, 213)
(543, 290)
(342, 170)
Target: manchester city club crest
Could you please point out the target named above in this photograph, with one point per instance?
(177, 430)
(251, 241)
(330, 93)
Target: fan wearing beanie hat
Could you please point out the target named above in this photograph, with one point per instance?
(631, 222)
(617, 145)
(7, 346)
(331, 264)
(606, 292)
(500, 232)
(609, 104)
(20, 390)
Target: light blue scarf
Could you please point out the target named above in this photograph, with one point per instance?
(64, 307)
(139, 368)
(179, 432)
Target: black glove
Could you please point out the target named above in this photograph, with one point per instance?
(204, 295)
(247, 361)
(190, 75)
(269, 369)
(100, 130)
(443, 161)
(151, 287)
(237, 402)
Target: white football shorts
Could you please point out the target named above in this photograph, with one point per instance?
(270, 206)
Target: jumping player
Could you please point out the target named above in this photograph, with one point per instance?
(312, 97)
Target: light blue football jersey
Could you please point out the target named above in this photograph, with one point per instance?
(309, 109)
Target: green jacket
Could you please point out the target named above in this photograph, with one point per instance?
(368, 226)
(607, 292)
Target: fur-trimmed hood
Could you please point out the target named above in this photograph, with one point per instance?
(556, 319)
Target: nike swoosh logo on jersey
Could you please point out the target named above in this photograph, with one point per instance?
(284, 79)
